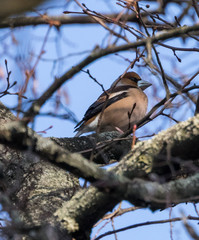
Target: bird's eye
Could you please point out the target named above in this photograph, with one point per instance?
(135, 79)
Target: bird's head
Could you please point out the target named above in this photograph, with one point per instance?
(133, 79)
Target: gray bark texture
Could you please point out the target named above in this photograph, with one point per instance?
(42, 193)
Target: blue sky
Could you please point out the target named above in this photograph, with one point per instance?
(82, 91)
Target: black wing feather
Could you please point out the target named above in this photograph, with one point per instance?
(97, 107)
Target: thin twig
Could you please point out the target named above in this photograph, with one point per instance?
(147, 224)
(35, 108)
(195, 5)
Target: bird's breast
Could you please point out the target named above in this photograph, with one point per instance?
(126, 112)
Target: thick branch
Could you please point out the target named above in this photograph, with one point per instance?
(154, 195)
(27, 180)
(142, 159)
(17, 135)
(102, 149)
(159, 196)
(181, 140)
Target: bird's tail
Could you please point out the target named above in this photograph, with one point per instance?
(78, 133)
(82, 129)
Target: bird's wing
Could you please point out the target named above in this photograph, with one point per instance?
(116, 94)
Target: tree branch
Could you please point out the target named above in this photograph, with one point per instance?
(115, 185)
(65, 20)
(96, 54)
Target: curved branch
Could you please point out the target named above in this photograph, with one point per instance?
(115, 185)
(182, 140)
(98, 53)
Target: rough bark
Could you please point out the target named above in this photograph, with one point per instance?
(50, 186)
(35, 188)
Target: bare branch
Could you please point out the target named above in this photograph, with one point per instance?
(147, 224)
(35, 108)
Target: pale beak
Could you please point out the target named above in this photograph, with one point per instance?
(143, 84)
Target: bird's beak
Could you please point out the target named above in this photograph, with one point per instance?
(143, 84)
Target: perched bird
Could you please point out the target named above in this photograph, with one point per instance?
(120, 107)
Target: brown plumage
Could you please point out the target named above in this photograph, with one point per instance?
(122, 106)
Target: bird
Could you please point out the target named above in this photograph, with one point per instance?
(119, 108)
